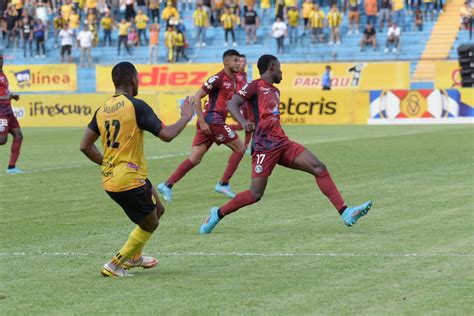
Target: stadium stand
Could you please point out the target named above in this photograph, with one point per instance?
(433, 40)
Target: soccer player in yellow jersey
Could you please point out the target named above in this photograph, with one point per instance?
(119, 123)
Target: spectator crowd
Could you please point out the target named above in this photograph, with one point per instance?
(127, 25)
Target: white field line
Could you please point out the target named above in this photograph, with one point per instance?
(72, 166)
(249, 254)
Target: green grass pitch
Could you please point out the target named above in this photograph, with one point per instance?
(289, 254)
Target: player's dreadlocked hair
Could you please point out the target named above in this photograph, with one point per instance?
(122, 74)
(230, 52)
(263, 63)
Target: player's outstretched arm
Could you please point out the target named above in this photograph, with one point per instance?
(168, 133)
(88, 147)
(233, 106)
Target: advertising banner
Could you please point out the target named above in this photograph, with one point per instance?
(447, 75)
(357, 75)
(40, 110)
(157, 78)
(323, 107)
(39, 78)
(421, 106)
(296, 107)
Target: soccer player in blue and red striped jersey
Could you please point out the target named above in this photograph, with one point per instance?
(211, 127)
(271, 146)
(8, 122)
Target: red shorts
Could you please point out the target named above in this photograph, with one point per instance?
(7, 122)
(220, 134)
(264, 162)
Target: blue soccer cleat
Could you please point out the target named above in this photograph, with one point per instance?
(14, 171)
(211, 222)
(352, 214)
(165, 191)
(224, 189)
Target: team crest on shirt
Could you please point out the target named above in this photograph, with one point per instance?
(227, 85)
(220, 138)
(243, 90)
(258, 169)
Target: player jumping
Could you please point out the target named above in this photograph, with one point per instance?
(8, 122)
(271, 146)
(120, 123)
(211, 127)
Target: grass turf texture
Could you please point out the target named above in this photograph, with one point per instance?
(421, 179)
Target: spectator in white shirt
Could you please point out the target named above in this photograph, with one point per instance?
(66, 35)
(279, 31)
(84, 41)
(393, 37)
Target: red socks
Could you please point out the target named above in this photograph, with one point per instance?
(242, 199)
(232, 165)
(182, 169)
(329, 189)
(15, 151)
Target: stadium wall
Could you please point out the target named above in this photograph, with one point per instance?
(297, 107)
(362, 93)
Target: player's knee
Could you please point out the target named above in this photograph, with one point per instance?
(195, 160)
(160, 210)
(318, 167)
(18, 136)
(3, 140)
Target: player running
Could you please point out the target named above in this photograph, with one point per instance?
(8, 122)
(120, 123)
(211, 127)
(245, 109)
(271, 146)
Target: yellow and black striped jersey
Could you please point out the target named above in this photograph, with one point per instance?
(120, 122)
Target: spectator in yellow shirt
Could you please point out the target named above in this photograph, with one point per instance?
(180, 46)
(293, 19)
(58, 23)
(264, 6)
(228, 21)
(74, 21)
(307, 7)
(123, 28)
(334, 22)
(169, 12)
(141, 21)
(107, 25)
(201, 22)
(66, 9)
(316, 24)
(154, 7)
(170, 42)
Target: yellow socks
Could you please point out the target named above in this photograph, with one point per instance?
(135, 243)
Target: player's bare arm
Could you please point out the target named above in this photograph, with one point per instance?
(198, 106)
(234, 104)
(88, 148)
(168, 133)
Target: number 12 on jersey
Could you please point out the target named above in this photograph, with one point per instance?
(116, 125)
